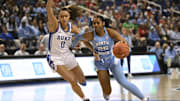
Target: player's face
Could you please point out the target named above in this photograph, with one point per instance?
(64, 16)
(23, 47)
(2, 48)
(98, 24)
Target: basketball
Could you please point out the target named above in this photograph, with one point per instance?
(121, 50)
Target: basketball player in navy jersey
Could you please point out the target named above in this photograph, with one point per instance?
(102, 41)
(60, 58)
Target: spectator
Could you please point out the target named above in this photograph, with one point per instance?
(25, 33)
(142, 31)
(174, 34)
(16, 18)
(153, 36)
(177, 57)
(22, 51)
(108, 11)
(2, 50)
(26, 18)
(26, 8)
(12, 27)
(170, 55)
(127, 35)
(7, 37)
(164, 47)
(41, 50)
(141, 20)
(141, 36)
(45, 41)
(34, 26)
(157, 49)
(42, 27)
(148, 11)
(5, 19)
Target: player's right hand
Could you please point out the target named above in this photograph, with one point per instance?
(123, 41)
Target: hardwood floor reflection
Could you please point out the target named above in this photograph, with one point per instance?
(157, 87)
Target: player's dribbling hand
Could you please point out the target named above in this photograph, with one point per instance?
(125, 42)
(122, 56)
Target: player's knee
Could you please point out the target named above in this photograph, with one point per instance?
(73, 82)
(123, 83)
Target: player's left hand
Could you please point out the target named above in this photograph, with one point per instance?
(96, 56)
(76, 48)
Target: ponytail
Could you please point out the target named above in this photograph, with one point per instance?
(74, 11)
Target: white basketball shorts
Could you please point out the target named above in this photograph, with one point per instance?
(68, 60)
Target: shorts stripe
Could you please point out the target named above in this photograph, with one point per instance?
(51, 63)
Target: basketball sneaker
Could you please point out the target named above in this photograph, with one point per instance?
(86, 100)
(130, 76)
(106, 97)
(146, 99)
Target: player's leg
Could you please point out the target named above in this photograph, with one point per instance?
(79, 75)
(68, 76)
(129, 66)
(104, 79)
(168, 62)
(120, 77)
(74, 67)
(122, 61)
(128, 62)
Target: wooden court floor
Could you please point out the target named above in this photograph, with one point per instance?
(157, 87)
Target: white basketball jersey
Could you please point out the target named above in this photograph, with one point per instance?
(60, 41)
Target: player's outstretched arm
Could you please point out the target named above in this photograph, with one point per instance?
(116, 36)
(87, 36)
(52, 20)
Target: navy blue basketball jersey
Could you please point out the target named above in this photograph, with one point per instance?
(103, 45)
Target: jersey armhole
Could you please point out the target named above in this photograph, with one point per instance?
(106, 30)
(55, 31)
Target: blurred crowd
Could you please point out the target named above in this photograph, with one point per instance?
(148, 27)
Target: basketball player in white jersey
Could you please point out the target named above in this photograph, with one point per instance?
(60, 58)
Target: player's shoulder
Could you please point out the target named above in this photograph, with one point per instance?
(75, 29)
(112, 32)
(109, 30)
